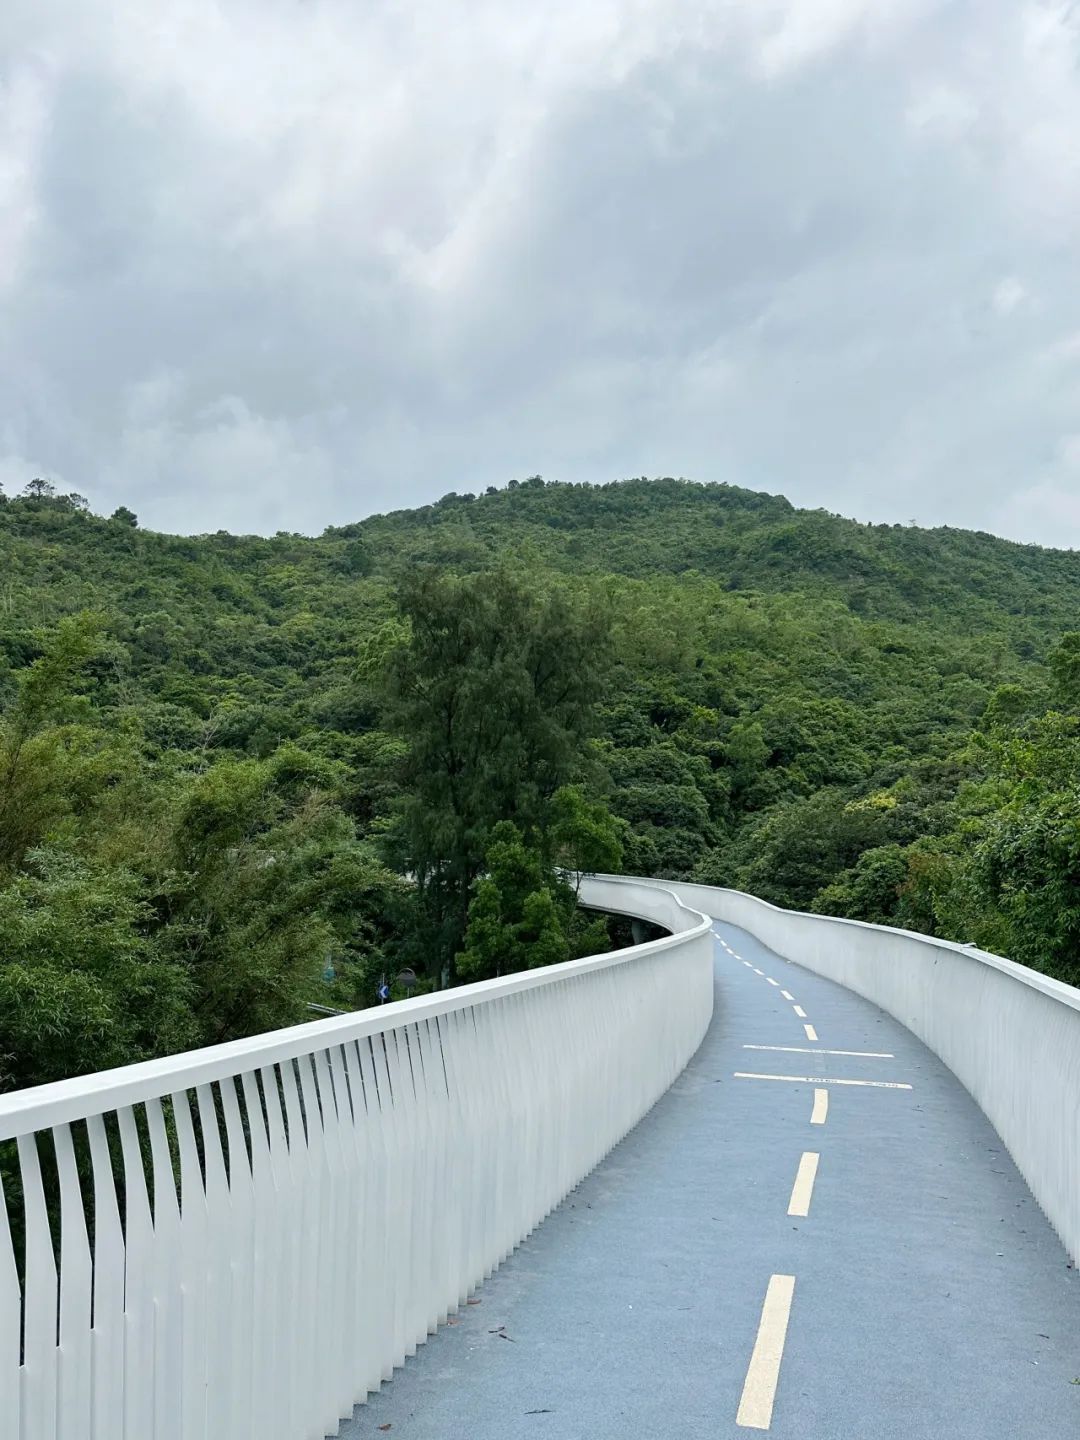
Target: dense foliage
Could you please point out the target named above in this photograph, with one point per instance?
(241, 774)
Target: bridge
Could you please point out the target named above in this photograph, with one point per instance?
(771, 1172)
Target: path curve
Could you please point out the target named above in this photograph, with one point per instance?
(931, 1299)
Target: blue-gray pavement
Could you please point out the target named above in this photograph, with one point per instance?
(931, 1297)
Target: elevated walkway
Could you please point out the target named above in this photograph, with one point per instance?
(931, 1299)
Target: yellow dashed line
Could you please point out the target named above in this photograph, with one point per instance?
(803, 1189)
(759, 1388)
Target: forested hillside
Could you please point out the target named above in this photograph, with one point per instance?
(220, 755)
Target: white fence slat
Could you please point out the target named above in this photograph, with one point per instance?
(217, 1260)
(305, 1402)
(10, 1329)
(348, 1196)
(332, 1230)
(138, 1409)
(40, 1355)
(164, 1285)
(107, 1336)
(396, 1240)
(283, 1259)
(194, 1223)
(76, 1283)
(241, 1264)
(374, 1277)
(260, 1421)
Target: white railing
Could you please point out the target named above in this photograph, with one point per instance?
(1010, 1035)
(245, 1241)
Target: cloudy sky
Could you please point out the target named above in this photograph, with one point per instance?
(277, 264)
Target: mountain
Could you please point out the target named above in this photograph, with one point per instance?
(872, 720)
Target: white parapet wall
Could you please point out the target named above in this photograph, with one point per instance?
(245, 1241)
(1009, 1034)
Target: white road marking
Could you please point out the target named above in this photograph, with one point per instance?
(803, 1189)
(821, 1107)
(756, 970)
(763, 1373)
(825, 1080)
(787, 994)
(805, 1050)
(772, 981)
(800, 1012)
(811, 1033)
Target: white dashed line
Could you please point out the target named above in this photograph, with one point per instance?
(787, 994)
(821, 1107)
(805, 1050)
(772, 981)
(824, 1080)
(811, 1033)
(800, 1012)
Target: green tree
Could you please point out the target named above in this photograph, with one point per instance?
(82, 987)
(1064, 663)
(583, 836)
(255, 870)
(518, 913)
(494, 690)
(869, 890)
(1008, 705)
(37, 754)
(39, 489)
(800, 847)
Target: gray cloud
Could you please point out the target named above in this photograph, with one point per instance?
(268, 264)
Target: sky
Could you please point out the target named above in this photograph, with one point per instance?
(277, 264)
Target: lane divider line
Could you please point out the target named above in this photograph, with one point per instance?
(787, 994)
(756, 970)
(800, 1012)
(803, 1189)
(763, 1372)
(772, 981)
(805, 1050)
(824, 1080)
(811, 1033)
(821, 1107)
(747, 964)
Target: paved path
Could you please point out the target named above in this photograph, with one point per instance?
(931, 1300)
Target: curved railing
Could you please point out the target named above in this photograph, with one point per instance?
(1010, 1035)
(245, 1241)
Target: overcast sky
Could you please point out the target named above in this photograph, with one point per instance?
(278, 264)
